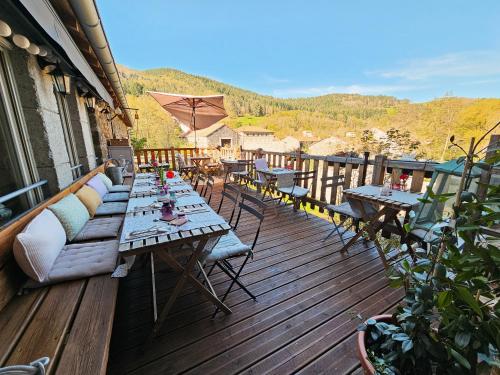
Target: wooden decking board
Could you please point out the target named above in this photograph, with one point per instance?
(274, 295)
(257, 348)
(308, 271)
(307, 294)
(286, 252)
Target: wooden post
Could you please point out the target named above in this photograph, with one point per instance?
(379, 170)
(365, 168)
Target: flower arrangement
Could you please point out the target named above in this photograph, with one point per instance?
(403, 179)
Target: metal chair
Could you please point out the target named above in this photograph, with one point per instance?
(230, 246)
(232, 193)
(298, 193)
(209, 185)
(344, 209)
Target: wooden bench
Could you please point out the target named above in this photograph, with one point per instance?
(69, 322)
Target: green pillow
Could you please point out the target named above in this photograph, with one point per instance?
(106, 180)
(72, 214)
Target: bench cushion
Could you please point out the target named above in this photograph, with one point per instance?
(72, 214)
(77, 261)
(115, 197)
(100, 229)
(38, 245)
(119, 188)
(97, 184)
(111, 208)
(90, 198)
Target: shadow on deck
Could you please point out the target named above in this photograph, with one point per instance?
(304, 320)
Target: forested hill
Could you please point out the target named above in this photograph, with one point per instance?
(328, 115)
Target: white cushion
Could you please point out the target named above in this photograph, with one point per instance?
(228, 246)
(38, 245)
(297, 191)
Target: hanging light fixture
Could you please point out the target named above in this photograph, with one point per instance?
(62, 81)
(90, 102)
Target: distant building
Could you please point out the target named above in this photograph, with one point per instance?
(253, 137)
(327, 146)
(213, 136)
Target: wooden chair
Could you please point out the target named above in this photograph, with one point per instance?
(229, 246)
(232, 193)
(298, 193)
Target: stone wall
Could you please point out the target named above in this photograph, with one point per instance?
(43, 121)
(40, 108)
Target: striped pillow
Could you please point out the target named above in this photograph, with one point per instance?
(72, 214)
(38, 245)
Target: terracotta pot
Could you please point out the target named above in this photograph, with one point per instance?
(363, 356)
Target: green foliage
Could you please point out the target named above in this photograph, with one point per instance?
(449, 322)
(329, 115)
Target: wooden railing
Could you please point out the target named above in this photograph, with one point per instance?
(167, 155)
(356, 172)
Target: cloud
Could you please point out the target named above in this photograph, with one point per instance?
(362, 89)
(270, 79)
(459, 64)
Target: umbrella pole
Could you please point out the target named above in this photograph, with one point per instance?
(194, 127)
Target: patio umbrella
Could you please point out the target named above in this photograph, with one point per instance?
(197, 112)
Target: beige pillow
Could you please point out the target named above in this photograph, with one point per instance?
(38, 245)
(90, 198)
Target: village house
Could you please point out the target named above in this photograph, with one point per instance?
(215, 135)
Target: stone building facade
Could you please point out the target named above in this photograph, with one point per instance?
(50, 133)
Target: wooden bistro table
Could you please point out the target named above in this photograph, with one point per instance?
(372, 206)
(144, 233)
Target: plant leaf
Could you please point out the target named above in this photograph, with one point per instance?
(464, 362)
(469, 299)
(444, 299)
(462, 339)
(407, 345)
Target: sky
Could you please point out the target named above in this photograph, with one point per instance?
(419, 50)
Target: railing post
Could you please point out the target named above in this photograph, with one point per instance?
(379, 170)
(365, 168)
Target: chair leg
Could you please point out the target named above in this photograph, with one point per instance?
(234, 280)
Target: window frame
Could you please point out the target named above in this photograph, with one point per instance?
(16, 123)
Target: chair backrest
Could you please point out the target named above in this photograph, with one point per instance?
(260, 164)
(303, 178)
(208, 185)
(232, 193)
(257, 212)
(181, 163)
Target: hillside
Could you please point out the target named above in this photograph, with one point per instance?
(431, 123)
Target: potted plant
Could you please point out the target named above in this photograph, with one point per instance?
(449, 320)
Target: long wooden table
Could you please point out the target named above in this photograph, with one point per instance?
(144, 233)
(372, 206)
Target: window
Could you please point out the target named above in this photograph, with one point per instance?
(69, 139)
(17, 169)
(226, 142)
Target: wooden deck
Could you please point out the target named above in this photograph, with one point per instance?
(304, 320)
